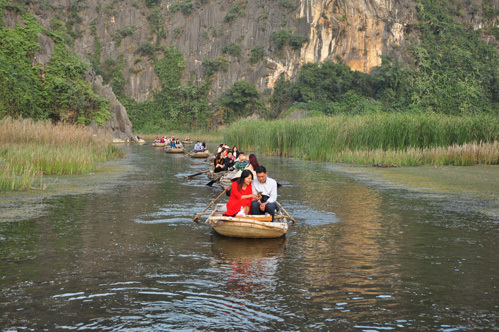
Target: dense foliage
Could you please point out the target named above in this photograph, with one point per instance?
(241, 100)
(176, 105)
(450, 71)
(397, 138)
(56, 91)
(453, 72)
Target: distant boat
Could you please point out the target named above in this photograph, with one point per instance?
(257, 227)
(158, 145)
(187, 142)
(204, 154)
(174, 150)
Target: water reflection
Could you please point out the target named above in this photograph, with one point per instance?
(253, 262)
(360, 258)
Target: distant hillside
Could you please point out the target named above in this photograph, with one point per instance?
(174, 64)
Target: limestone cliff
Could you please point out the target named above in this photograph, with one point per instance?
(356, 32)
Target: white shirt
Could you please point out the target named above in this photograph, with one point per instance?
(268, 188)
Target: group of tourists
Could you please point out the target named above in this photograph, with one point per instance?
(171, 141)
(228, 159)
(175, 143)
(252, 191)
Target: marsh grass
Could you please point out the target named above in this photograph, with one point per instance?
(402, 139)
(29, 149)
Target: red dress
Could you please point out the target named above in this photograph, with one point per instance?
(235, 202)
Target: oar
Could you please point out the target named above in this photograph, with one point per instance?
(279, 204)
(193, 175)
(212, 182)
(198, 215)
(202, 163)
(188, 154)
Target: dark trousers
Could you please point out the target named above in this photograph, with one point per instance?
(269, 208)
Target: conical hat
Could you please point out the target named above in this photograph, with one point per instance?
(236, 176)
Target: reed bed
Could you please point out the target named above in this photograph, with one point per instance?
(402, 139)
(29, 149)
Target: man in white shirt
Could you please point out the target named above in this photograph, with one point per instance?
(198, 147)
(268, 189)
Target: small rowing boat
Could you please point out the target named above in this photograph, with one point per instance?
(158, 145)
(226, 179)
(204, 154)
(257, 227)
(174, 150)
(187, 142)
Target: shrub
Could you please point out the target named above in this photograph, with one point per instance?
(280, 38)
(257, 54)
(296, 41)
(145, 49)
(233, 49)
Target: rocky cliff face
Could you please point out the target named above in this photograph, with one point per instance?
(356, 32)
(119, 126)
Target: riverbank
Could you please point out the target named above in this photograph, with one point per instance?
(29, 150)
(400, 139)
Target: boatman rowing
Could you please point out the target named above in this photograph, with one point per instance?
(268, 189)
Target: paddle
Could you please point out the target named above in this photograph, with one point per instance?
(198, 215)
(287, 214)
(209, 184)
(193, 175)
(188, 154)
(212, 182)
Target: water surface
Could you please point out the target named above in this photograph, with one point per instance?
(372, 251)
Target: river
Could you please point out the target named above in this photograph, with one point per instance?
(373, 250)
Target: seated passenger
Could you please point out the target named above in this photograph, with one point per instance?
(241, 162)
(229, 162)
(241, 195)
(268, 188)
(198, 147)
(218, 163)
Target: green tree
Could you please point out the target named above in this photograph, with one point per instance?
(240, 100)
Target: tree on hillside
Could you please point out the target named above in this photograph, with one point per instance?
(240, 100)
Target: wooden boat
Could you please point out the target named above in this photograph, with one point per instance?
(174, 150)
(260, 227)
(204, 154)
(215, 176)
(187, 142)
(158, 145)
(226, 179)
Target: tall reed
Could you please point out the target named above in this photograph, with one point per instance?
(30, 149)
(371, 138)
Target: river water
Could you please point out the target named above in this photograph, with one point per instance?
(120, 253)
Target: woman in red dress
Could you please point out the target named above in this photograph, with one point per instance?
(241, 194)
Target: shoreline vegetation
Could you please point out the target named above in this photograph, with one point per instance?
(30, 149)
(391, 139)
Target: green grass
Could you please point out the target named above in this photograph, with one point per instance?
(28, 150)
(402, 139)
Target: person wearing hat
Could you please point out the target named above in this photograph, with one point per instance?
(266, 190)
